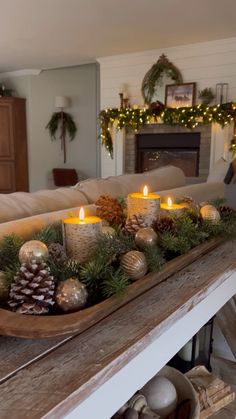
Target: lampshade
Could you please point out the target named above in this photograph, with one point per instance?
(61, 102)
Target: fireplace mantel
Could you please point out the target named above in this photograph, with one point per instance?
(215, 145)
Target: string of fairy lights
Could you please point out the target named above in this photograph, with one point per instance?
(189, 117)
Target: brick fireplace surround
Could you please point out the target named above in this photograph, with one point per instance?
(205, 146)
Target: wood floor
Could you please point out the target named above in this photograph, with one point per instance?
(227, 371)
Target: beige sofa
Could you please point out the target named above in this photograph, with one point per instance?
(23, 213)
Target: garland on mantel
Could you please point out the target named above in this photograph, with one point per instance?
(134, 119)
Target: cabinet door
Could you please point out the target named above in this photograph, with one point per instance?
(6, 132)
(7, 177)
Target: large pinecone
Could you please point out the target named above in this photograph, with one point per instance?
(226, 211)
(110, 209)
(165, 224)
(33, 288)
(134, 223)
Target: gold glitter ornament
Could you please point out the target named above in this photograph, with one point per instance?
(71, 295)
(210, 213)
(146, 237)
(33, 250)
(134, 264)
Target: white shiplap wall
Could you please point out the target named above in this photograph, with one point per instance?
(205, 63)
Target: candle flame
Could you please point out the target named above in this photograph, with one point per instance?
(145, 191)
(169, 202)
(81, 214)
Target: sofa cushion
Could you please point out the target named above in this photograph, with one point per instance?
(26, 227)
(23, 204)
(158, 179)
(200, 192)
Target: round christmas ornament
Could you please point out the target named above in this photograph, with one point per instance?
(161, 395)
(146, 237)
(33, 250)
(134, 264)
(71, 295)
(108, 231)
(210, 213)
(4, 287)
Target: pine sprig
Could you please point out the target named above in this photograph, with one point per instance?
(154, 258)
(64, 269)
(112, 247)
(50, 234)
(116, 283)
(9, 251)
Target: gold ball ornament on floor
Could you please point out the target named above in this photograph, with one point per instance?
(146, 237)
(210, 213)
(71, 295)
(33, 250)
(4, 287)
(134, 264)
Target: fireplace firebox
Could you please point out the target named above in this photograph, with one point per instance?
(178, 149)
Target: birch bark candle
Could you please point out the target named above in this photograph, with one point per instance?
(172, 209)
(145, 204)
(80, 235)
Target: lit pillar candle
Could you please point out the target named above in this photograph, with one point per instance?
(172, 208)
(145, 204)
(80, 235)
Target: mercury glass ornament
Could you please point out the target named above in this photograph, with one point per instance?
(108, 231)
(134, 264)
(146, 237)
(33, 250)
(71, 295)
(4, 287)
(210, 213)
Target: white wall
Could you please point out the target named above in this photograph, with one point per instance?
(80, 85)
(205, 63)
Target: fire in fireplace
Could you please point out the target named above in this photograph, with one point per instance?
(179, 149)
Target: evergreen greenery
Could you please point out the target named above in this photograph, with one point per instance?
(102, 274)
(9, 251)
(154, 257)
(134, 119)
(116, 283)
(50, 234)
(68, 124)
(154, 77)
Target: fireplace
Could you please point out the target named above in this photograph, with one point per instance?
(178, 149)
(161, 144)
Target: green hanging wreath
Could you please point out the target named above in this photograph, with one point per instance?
(64, 122)
(154, 76)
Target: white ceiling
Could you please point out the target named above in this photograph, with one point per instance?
(53, 33)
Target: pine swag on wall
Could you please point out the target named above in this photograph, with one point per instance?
(64, 123)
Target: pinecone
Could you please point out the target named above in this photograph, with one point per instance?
(33, 289)
(226, 211)
(134, 223)
(165, 224)
(110, 209)
(56, 252)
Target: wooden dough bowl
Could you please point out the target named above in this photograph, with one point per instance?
(36, 327)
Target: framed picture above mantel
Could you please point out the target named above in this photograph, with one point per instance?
(180, 95)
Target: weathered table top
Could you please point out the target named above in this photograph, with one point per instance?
(50, 378)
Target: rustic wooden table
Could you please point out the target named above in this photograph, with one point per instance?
(89, 376)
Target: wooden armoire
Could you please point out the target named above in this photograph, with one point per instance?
(13, 145)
